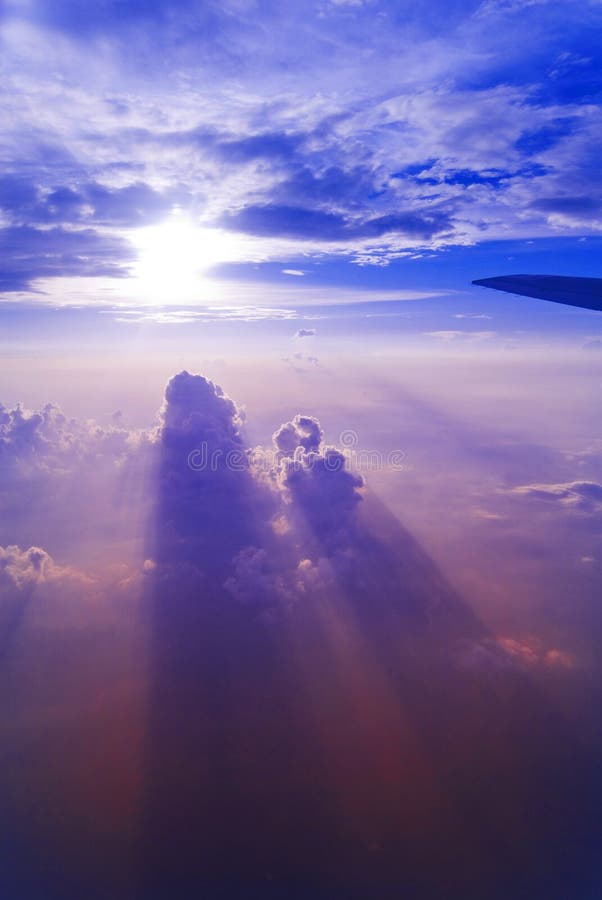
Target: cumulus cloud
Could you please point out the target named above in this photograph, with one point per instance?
(303, 432)
(274, 528)
(48, 440)
(23, 569)
(223, 507)
(305, 332)
(276, 633)
(37, 592)
(223, 519)
(210, 506)
(64, 481)
(197, 410)
(322, 494)
(32, 573)
(243, 522)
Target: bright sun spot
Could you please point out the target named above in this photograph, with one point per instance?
(173, 258)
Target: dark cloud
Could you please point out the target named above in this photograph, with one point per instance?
(260, 582)
(29, 254)
(582, 495)
(286, 221)
(584, 206)
(308, 224)
(322, 493)
(93, 203)
(211, 505)
(420, 224)
(353, 187)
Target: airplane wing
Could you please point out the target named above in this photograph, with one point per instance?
(583, 292)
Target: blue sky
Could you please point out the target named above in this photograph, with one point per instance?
(264, 154)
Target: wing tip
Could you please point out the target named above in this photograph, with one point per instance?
(493, 279)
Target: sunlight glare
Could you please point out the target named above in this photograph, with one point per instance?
(174, 256)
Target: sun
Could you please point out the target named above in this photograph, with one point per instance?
(175, 256)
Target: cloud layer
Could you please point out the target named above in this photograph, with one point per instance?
(389, 155)
(261, 655)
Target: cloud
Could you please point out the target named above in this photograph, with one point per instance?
(210, 506)
(54, 469)
(196, 409)
(303, 432)
(274, 620)
(33, 573)
(474, 146)
(320, 494)
(174, 316)
(585, 207)
(274, 146)
(23, 569)
(220, 501)
(260, 582)
(301, 362)
(314, 224)
(507, 654)
(90, 203)
(449, 335)
(472, 316)
(48, 441)
(273, 528)
(29, 254)
(215, 500)
(305, 332)
(584, 496)
(38, 593)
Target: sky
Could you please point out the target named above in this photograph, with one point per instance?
(261, 154)
(300, 555)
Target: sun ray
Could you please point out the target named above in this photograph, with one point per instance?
(175, 256)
